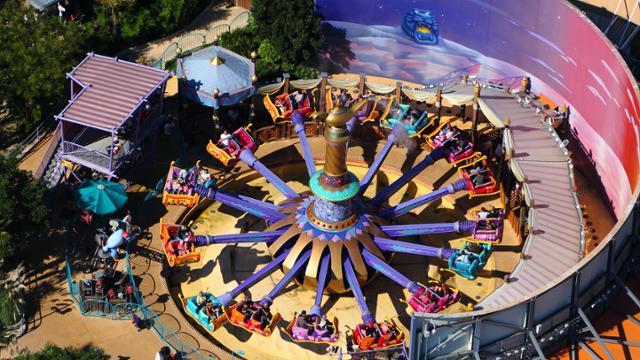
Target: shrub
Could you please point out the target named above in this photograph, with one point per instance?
(53, 352)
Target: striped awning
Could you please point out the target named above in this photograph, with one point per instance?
(112, 90)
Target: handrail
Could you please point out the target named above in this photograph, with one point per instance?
(47, 158)
(185, 43)
(34, 137)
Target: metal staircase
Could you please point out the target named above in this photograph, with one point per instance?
(51, 170)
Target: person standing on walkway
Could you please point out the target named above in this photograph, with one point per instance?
(164, 354)
(128, 219)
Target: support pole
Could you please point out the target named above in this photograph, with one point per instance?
(322, 104)
(595, 334)
(363, 79)
(474, 116)
(286, 78)
(398, 92)
(438, 105)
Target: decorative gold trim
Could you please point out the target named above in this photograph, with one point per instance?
(356, 259)
(336, 285)
(276, 245)
(311, 273)
(368, 243)
(289, 220)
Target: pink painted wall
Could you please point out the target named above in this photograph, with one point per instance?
(549, 40)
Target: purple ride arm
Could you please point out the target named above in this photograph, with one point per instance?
(407, 206)
(248, 158)
(389, 272)
(428, 229)
(205, 240)
(254, 207)
(409, 248)
(298, 123)
(373, 169)
(435, 155)
(226, 298)
(367, 316)
(316, 309)
(302, 260)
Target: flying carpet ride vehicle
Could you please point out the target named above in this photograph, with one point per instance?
(285, 105)
(434, 297)
(199, 314)
(401, 115)
(177, 251)
(249, 319)
(241, 139)
(312, 334)
(178, 190)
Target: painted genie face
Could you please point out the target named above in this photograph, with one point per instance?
(421, 26)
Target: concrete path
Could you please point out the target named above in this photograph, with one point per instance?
(217, 13)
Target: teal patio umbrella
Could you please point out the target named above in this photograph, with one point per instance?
(102, 197)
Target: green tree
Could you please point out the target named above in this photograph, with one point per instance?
(293, 27)
(53, 352)
(22, 209)
(286, 36)
(113, 9)
(142, 20)
(241, 41)
(37, 51)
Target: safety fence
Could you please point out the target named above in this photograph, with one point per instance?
(194, 41)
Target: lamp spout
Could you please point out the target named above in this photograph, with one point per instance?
(339, 117)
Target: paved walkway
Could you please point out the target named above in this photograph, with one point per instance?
(217, 13)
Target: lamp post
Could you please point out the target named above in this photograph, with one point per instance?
(252, 113)
(216, 119)
(254, 80)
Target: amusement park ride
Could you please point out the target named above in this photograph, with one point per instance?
(334, 239)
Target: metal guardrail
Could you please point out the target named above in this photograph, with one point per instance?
(124, 311)
(194, 41)
(165, 333)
